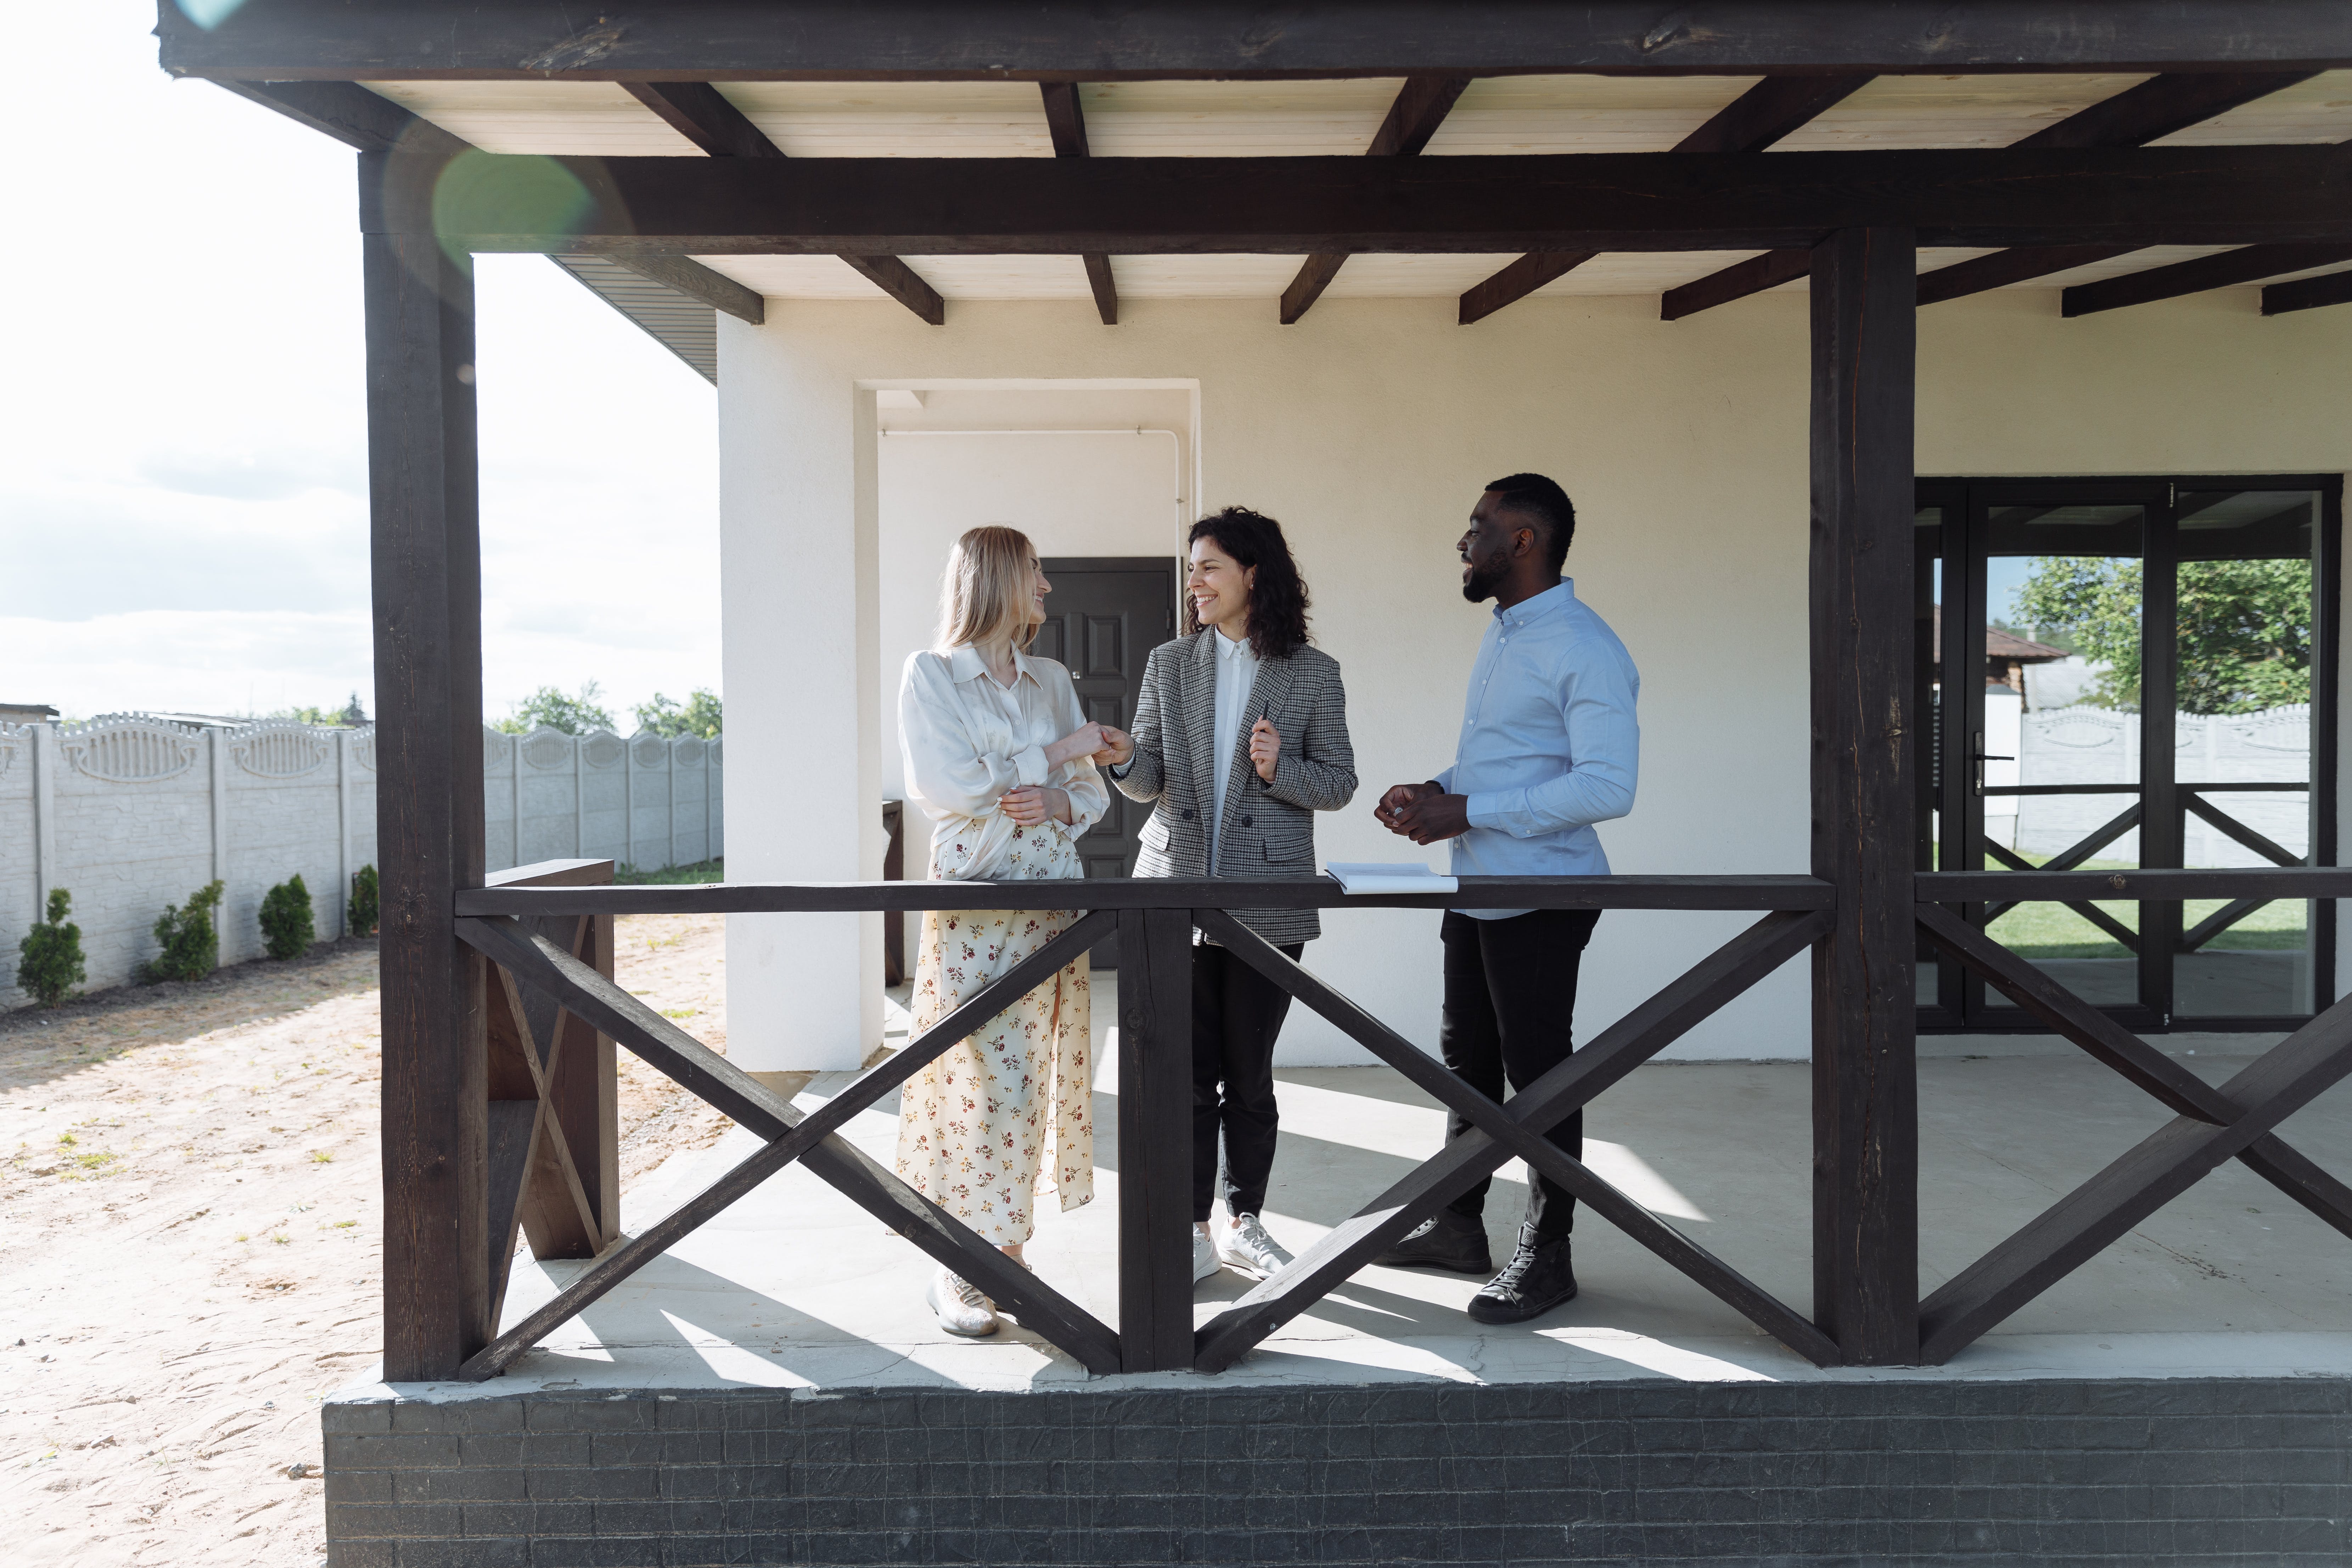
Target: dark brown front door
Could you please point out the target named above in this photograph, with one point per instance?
(1103, 619)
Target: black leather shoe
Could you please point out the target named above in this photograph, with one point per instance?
(1449, 1241)
(1536, 1279)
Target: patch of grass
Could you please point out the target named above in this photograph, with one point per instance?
(672, 876)
(281, 1239)
(345, 1223)
(68, 1139)
(679, 1011)
(321, 1157)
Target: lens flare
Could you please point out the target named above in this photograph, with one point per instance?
(482, 195)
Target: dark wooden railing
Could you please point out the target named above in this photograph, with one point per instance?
(532, 931)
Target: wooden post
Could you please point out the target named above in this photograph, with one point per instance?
(425, 559)
(1865, 1086)
(1155, 1139)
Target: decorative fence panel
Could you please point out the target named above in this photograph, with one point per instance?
(132, 812)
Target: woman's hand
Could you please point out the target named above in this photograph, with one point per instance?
(1265, 748)
(1118, 747)
(1033, 803)
(1083, 741)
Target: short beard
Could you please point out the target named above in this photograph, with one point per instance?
(1482, 583)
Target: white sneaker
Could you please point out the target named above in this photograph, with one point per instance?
(1204, 1258)
(960, 1308)
(1244, 1245)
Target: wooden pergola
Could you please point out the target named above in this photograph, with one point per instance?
(483, 1111)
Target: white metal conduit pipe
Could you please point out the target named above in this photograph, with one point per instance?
(1175, 453)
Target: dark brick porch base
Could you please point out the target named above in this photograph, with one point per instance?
(2238, 1472)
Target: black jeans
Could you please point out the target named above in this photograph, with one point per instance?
(1236, 1013)
(1511, 998)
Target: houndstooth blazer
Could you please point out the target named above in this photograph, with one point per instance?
(1269, 829)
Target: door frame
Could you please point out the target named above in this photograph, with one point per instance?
(1960, 1005)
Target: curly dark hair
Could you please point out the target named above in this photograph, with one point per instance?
(1277, 601)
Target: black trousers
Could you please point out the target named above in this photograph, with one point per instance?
(1236, 1013)
(1510, 997)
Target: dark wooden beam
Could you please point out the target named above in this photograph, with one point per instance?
(2250, 265)
(1419, 108)
(700, 112)
(1155, 1142)
(1065, 119)
(1737, 281)
(360, 120)
(2070, 886)
(1646, 201)
(425, 572)
(902, 283)
(2160, 106)
(2307, 293)
(993, 39)
(1865, 1090)
(1777, 106)
(1749, 123)
(1517, 281)
(2155, 108)
(2002, 267)
(696, 281)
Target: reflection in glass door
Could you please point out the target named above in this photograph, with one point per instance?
(2121, 673)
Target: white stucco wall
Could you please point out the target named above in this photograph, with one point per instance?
(1369, 429)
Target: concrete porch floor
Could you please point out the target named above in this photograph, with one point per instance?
(796, 1287)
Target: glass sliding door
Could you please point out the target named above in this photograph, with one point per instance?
(2125, 673)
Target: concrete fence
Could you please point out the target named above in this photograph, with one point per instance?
(132, 812)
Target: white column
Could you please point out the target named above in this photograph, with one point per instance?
(47, 872)
(800, 603)
(232, 945)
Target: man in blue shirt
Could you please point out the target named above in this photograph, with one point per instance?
(1548, 747)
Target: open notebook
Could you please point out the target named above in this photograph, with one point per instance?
(1389, 877)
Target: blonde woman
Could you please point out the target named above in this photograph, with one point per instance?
(1000, 758)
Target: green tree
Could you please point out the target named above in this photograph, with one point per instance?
(286, 924)
(364, 908)
(48, 961)
(189, 940)
(2245, 640)
(701, 715)
(574, 715)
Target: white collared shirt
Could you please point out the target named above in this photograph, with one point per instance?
(965, 739)
(1236, 677)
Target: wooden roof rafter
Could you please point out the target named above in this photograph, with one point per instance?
(1066, 122)
(1421, 106)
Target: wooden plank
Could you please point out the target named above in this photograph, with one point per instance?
(700, 112)
(1155, 1141)
(710, 1077)
(1315, 275)
(1517, 281)
(2219, 920)
(2160, 106)
(1866, 1094)
(1617, 892)
(696, 281)
(2068, 886)
(1737, 281)
(360, 120)
(1104, 289)
(2003, 267)
(1774, 107)
(1616, 1051)
(2307, 293)
(2106, 1041)
(901, 282)
(426, 574)
(513, 1129)
(1431, 1076)
(2144, 1179)
(1602, 201)
(2249, 265)
(992, 39)
(1066, 118)
(2268, 848)
(577, 1169)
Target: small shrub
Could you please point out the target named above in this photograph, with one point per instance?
(49, 962)
(364, 912)
(189, 940)
(287, 928)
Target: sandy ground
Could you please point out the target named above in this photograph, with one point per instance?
(189, 1246)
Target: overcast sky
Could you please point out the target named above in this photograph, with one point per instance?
(183, 436)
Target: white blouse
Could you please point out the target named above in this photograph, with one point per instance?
(965, 741)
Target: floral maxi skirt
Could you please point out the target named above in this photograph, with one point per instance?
(1007, 1114)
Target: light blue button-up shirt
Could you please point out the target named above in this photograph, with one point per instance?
(1549, 744)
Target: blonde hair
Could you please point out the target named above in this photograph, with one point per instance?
(985, 593)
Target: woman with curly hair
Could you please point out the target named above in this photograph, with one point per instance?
(1240, 736)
